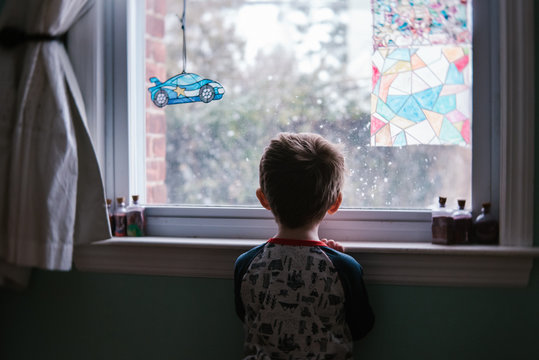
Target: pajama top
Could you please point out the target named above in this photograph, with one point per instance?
(300, 299)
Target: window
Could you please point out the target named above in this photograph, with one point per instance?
(296, 66)
(211, 158)
(126, 173)
(311, 80)
(502, 43)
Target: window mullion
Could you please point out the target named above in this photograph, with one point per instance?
(485, 112)
(124, 104)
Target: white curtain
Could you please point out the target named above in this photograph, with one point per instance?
(51, 191)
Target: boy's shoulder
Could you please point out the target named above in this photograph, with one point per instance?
(243, 261)
(249, 254)
(341, 261)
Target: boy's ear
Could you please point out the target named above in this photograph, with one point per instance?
(333, 209)
(262, 198)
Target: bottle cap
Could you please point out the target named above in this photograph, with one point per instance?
(461, 203)
(486, 207)
(134, 197)
(442, 200)
(109, 201)
(120, 199)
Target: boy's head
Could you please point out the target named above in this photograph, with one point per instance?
(301, 176)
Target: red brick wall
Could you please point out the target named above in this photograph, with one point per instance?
(156, 126)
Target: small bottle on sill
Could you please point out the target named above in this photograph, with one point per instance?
(135, 218)
(442, 224)
(120, 219)
(111, 215)
(462, 224)
(486, 227)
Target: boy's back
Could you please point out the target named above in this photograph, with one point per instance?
(300, 300)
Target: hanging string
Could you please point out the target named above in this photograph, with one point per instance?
(182, 21)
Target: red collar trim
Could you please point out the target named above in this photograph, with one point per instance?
(293, 242)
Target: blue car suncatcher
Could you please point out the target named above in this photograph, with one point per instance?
(185, 88)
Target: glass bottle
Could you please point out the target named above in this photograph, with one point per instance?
(110, 214)
(462, 224)
(486, 227)
(442, 224)
(135, 218)
(120, 219)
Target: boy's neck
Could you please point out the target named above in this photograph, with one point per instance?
(309, 232)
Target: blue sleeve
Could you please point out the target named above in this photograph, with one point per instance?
(240, 268)
(359, 314)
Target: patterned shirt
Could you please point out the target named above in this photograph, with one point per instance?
(300, 299)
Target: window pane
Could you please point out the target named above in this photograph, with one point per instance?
(285, 66)
(421, 73)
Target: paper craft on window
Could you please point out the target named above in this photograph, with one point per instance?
(421, 73)
(184, 87)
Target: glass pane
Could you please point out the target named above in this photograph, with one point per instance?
(405, 23)
(421, 96)
(421, 73)
(285, 66)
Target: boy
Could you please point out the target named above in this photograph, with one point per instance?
(299, 298)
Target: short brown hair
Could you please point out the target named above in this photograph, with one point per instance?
(301, 176)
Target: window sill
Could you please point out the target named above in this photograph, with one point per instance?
(384, 263)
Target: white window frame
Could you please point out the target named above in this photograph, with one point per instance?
(207, 238)
(234, 222)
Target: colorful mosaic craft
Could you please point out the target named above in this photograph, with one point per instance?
(421, 80)
(420, 22)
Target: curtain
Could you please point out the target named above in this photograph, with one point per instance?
(51, 191)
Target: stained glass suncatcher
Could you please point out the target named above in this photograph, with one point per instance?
(421, 73)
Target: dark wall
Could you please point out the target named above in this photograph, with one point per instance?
(78, 315)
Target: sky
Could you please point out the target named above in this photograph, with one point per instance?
(263, 28)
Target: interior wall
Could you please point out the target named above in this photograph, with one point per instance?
(77, 315)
